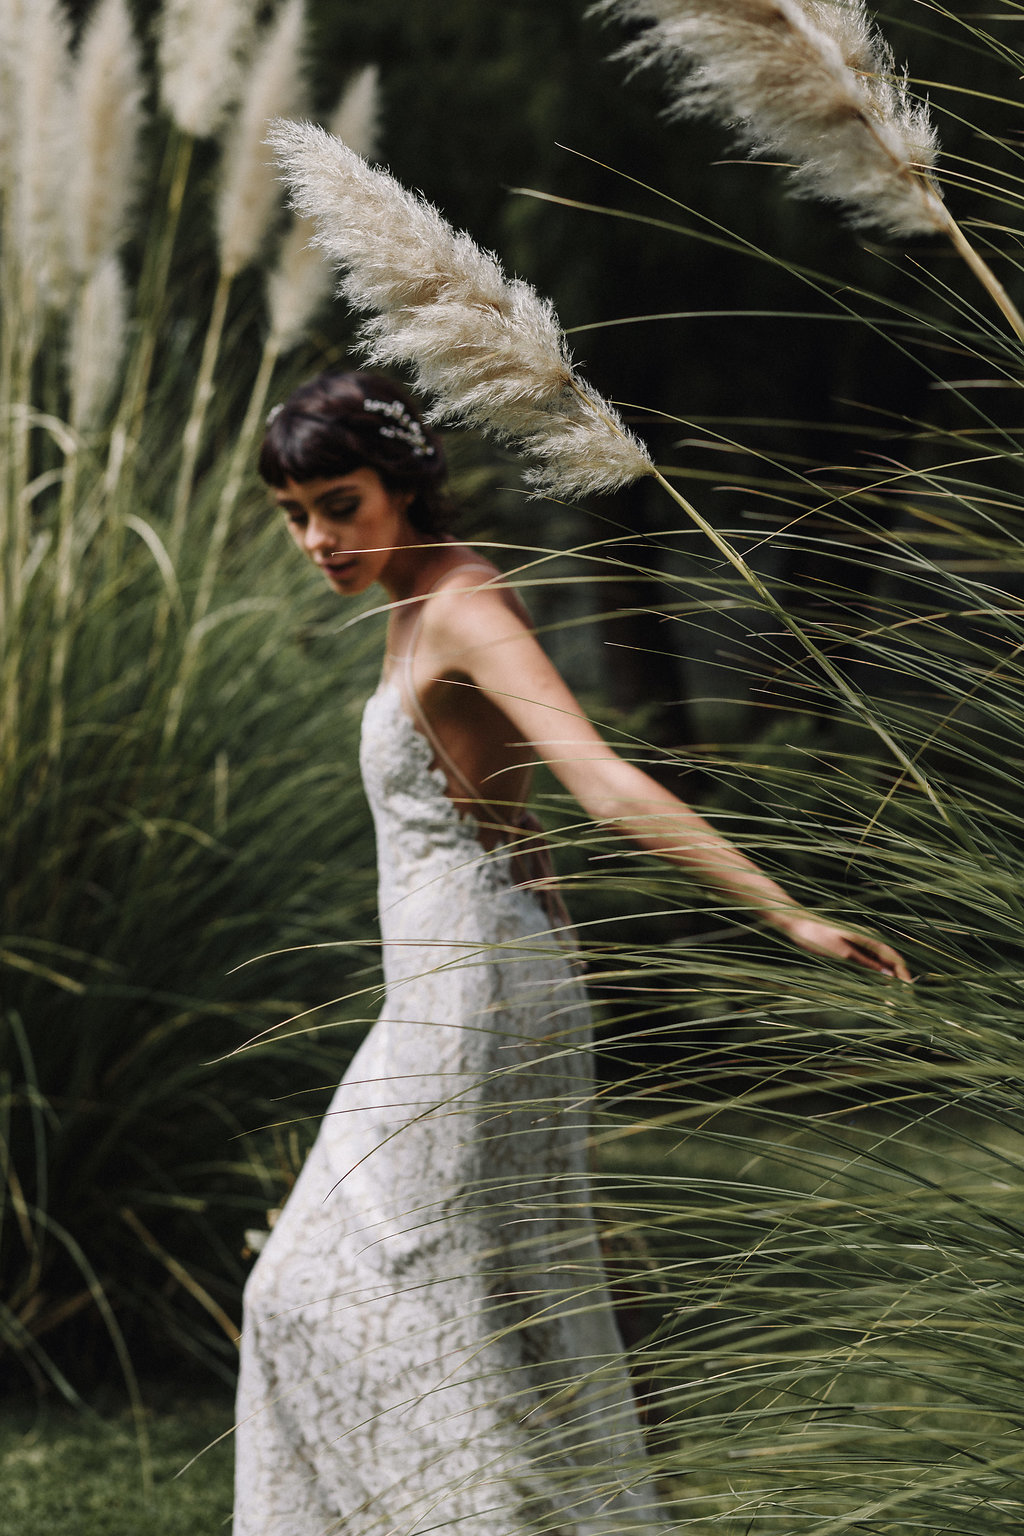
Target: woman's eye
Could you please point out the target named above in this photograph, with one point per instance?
(341, 509)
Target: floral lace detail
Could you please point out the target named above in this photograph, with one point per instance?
(427, 1342)
(408, 792)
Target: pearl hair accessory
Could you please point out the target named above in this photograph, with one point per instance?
(401, 424)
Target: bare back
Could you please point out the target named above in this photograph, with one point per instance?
(487, 762)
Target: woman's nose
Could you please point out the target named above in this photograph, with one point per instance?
(318, 536)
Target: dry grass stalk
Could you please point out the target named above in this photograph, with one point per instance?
(202, 50)
(107, 92)
(301, 280)
(484, 346)
(250, 192)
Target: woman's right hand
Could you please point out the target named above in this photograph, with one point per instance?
(820, 938)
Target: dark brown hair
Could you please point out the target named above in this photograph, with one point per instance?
(338, 422)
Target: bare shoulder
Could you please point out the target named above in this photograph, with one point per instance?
(473, 596)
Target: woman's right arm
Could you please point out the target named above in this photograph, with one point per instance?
(475, 632)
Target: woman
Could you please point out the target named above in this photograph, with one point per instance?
(428, 1345)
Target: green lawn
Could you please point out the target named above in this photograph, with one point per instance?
(62, 1472)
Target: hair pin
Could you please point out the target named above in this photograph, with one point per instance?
(401, 425)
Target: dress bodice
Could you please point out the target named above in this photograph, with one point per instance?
(432, 867)
(412, 811)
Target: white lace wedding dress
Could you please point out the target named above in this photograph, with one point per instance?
(428, 1345)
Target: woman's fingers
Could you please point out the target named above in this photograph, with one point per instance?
(877, 956)
(873, 954)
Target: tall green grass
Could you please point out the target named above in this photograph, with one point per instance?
(821, 1172)
(176, 801)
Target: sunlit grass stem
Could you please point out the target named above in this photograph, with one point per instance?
(227, 501)
(152, 292)
(983, 272)
(63, 555)
(192, 436)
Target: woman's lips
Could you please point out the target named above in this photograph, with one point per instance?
(339, 570)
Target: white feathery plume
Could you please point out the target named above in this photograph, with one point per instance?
(10, 25)
(203, 45)
(808, 79)
(301, 279)
(250, 191)
(486, 347)
(98, 334)
(106, 104)
(814, 81)
(868, 54)
(40, 143)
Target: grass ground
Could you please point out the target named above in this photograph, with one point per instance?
(60, 1471)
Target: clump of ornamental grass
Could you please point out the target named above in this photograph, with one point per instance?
(830, 1179)
(145, 868)
(809, 1178)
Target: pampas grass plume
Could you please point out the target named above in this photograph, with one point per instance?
(301, 278)
(485, 346)
(202, 49)
(250, 191)
(39, 140)
(107, 93)
(98, 333)
(808, 79)
(10, 24)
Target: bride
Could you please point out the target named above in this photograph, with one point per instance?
(427, 1343)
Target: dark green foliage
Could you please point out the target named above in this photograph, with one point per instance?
(145, 878)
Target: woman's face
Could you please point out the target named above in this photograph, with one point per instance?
(350, 526)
